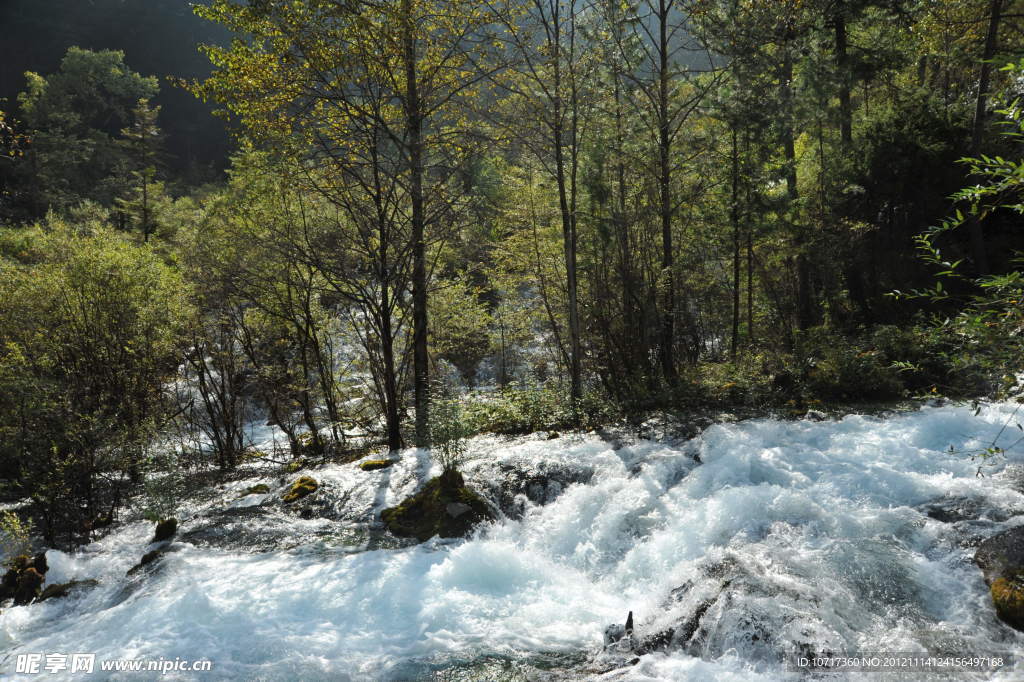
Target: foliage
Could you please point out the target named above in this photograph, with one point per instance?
(448, 431)
(15, 535)
(991, 305)
(523, 408)
(90, 331)
(74, 117)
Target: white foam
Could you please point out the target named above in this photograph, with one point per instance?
(820, 515)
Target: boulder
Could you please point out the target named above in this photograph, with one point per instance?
(60, 590)
(300, 488)
(29, 583)
(1001, 555)
(165, 530)
(374, 464)
(23, 579)
(1008, 598)
(147, 559)
(445, 507)
(1001, 560)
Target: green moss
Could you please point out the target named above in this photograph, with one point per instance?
(302, 487)
(374, 464)
(258, 489)
(444, 507)
(1008, 597)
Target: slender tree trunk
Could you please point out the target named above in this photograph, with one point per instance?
(735, 219)
(414, 124)
(750, 249)
(803, 270)
(392, 420)
(566, 208)
(980, 116)
(842, 66)
(633, 347)
(668, 362)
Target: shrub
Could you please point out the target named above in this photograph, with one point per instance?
(90, 334)
(14, 535)
(448, 431)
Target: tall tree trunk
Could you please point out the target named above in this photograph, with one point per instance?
(668, 362)
(392, 418)
(735, 219)
(750, 249)
(803, 271)
(414, 125)
(566, 205)
(843, 69)
(980, 116)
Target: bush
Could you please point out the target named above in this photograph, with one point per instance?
(15, 535)
(448, 431)
(90, 334)
(518, 409)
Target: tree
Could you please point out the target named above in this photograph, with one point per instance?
(142, 142)
(549, 99)
(665, 94)
(366, 94)
(74, 117)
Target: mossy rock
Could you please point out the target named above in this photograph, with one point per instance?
(444, 507)
(24, 578)
(1008, 597)
(29, 583)
(302, 487)
(374, 464)
(258, 489)
(165, 530)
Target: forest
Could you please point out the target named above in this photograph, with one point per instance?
(442, 222)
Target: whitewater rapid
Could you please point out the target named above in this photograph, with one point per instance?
(853, 535)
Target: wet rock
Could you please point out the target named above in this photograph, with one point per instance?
(57, 591)
(254, 528)
(815, 416)
(27, 589)
(148, 559)
(620, 636)
(729, 604)
(437, 509)
(510, 484)
(1002, 555)
(165, 530)
(1008, 598)
(457, 509)
(1001, 560)
(23, 579)
(958, 509)
(375, 464)
(301, 488)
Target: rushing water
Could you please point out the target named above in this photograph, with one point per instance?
(764, 537)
